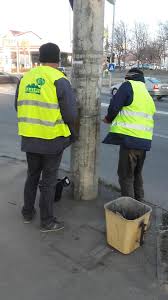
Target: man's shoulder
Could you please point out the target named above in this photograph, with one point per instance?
(126, 87)
(62, 82)
(126, 84)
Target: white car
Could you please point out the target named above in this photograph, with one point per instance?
(154, 86)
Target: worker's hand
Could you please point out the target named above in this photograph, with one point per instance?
(105, 121)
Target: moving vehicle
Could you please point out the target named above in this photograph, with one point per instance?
(62, 69)
(155, 87)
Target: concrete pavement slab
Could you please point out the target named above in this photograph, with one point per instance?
(162, 248)
(73, 264)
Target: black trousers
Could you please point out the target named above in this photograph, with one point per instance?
(46, 165)
(130, 167)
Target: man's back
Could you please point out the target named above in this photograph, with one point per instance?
(67, 104)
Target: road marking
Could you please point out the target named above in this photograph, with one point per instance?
(161, 112)
(7, 93)
(104, 104)
(161, 135)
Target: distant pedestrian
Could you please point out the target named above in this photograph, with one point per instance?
(47, 111)
(131, 113)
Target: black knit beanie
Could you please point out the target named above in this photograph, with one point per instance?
(49, 53)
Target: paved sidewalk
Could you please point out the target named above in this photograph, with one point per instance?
(75, 263)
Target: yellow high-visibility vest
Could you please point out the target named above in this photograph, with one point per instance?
(38, 110)
(136, 119)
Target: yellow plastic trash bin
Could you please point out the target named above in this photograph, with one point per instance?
(126, 222)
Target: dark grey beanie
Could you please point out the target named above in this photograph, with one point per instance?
(135, 74)
(134, 71)
(49, 53)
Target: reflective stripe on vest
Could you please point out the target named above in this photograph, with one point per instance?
(133, 126)
(136, 119)
(135, 114)
(38, 112)
(38, 103)
(40, 122)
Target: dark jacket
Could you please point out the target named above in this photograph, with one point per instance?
(124, 97)
(68, 108)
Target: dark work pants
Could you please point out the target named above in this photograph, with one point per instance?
(130, 167)
(47, 165)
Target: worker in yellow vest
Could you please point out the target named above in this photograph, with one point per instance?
(47, 112)
(130, 114)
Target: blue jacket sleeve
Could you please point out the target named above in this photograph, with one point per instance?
(123, 97)
(16, 94)
(67, 101)
(68, 105)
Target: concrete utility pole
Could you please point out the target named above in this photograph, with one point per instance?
(88, 30)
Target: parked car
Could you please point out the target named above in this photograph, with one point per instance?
(62, 69)
(155, 87)
(147, 66)
(140, 66)
(9, 78)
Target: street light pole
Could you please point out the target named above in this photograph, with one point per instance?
(112, 33)
(112, 37)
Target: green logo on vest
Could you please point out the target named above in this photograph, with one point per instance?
(35, 88)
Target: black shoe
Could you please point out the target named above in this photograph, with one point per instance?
(53, 226)
(27, 218)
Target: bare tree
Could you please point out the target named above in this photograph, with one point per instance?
(153, 51)
(145, 49)
(106, 40)
(140, 41)
(163, 39)
(120, 41)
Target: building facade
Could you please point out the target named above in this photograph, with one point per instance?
(19, 51)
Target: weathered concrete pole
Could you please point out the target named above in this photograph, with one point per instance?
(88, 29)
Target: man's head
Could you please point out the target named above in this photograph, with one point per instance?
(49, 54)
(135, 74)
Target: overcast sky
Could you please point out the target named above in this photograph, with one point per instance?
(51, 19)
(150, 12)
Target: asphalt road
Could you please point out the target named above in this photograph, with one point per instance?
(156, 165)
